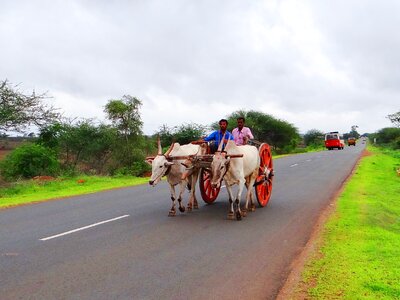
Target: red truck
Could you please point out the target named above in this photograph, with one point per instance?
(333, 140)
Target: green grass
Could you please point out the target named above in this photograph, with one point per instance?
(34, 191)
(359, 257)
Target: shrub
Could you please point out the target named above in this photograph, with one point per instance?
(387, 135)
(27, 161)
(137, 169)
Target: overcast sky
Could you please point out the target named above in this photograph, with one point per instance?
(317, 64)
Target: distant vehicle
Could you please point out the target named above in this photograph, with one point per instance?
(351, 141)
(333, 140)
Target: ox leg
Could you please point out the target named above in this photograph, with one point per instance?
(195, 177)
(190, 202)
(231, 211)
(182, 188)
(250, 190)
(238, 212)
(192, 198)
(245, 208)
(172, 211)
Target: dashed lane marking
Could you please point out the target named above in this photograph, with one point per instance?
(82, 228)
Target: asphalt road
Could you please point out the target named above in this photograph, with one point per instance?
(121, 244)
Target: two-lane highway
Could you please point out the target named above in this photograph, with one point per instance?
(121, 244)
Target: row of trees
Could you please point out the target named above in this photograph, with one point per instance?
(281, 135)
(66, 146)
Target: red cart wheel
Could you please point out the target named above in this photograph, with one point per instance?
(208, 193)
(263, 185)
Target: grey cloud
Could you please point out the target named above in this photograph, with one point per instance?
(238, 53)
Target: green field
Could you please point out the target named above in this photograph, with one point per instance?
(358, 253)
(35, 191)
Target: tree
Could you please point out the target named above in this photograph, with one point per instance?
(182, 134)
(18, 111)
(187, 133)
(387, 135)
(395, 118)
(278, 133)
(353, 132)
(124, 114)
(81, 144)
(314, 137)
(166, 135)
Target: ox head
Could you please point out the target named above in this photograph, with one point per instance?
(160, 164)
(219, 167)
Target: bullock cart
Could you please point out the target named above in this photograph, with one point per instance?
(262, 186)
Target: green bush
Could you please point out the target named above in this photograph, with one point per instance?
(28, 161)
(396, 143)
(387, 135)
(136, 169)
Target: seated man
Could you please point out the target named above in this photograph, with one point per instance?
(218, 135)
(241, 134)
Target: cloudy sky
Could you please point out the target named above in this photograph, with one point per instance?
(318, 64)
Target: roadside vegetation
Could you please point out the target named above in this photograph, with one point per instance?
(41, 189)
(359, 247)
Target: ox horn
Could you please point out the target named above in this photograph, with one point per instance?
(221, 143)
(159, 146)
(169, 150)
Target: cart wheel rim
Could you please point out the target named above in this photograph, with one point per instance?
(264, 180)
(208, 193)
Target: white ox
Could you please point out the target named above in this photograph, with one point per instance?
(239, 170)
(163, 165)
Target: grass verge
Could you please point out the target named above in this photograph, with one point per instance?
(359, 248)
(34, 191)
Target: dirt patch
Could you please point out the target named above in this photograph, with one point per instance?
(43, 178)
(294, 288)
(3, 153)
(366, 153)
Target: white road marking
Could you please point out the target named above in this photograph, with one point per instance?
(294, 165)
(82, 228)
(309, 160)
(223, 186)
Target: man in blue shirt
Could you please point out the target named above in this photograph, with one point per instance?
(216, 136)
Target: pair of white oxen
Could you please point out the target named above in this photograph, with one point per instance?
(242, 171)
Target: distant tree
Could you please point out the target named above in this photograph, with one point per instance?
(80, 143)
(128, 157)
(354, 132)
(18, 111)
(387, 135)
(187, 133)
(395, 118)
(125, 116)
(280, 134)
(182, 134)
(166, 135)
(314, 137)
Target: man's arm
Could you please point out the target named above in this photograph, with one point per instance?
(249, 134)
(210, 137)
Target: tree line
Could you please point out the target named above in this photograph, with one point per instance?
(71, 146)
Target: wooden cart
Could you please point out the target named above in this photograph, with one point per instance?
(262, 186)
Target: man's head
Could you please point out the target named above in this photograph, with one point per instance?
(240, 122)
(223, 124)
